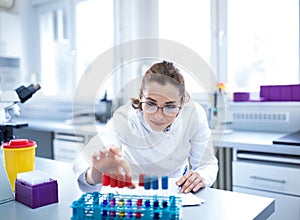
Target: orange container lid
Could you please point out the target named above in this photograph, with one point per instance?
(19, 143)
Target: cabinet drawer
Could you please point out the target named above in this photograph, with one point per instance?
(66, 150)
(274, 178)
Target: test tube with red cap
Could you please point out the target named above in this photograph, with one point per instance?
(105, 179)
(141, 179)
(121, 181)
(128, 182)
(113, 180)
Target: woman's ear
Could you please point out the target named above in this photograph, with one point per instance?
(186, 97)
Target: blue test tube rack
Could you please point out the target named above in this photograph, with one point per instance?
(116, 206)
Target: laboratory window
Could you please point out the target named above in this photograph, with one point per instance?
(263, 43)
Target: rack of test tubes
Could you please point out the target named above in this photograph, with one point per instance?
(145, 181)
(117, 206)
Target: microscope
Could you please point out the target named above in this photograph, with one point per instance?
(9, 108)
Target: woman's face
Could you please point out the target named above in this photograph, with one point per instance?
(161, 96)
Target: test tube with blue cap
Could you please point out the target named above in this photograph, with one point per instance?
(164, 182)
(155, 182)
(147, 182)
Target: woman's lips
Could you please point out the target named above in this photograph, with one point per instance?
(158, 123)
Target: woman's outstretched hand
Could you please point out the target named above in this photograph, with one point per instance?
(107, 161)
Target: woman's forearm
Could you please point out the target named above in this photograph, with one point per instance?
(93, 176)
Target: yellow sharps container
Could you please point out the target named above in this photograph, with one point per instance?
(19, 156)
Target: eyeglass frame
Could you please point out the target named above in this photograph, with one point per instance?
(162, 108)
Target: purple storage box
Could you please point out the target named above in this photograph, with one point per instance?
(295, 92)
(286, 93)
(274, 93)
(270, 93)
(241, 96)
(280, 92)
(37, 195)
(264, 92)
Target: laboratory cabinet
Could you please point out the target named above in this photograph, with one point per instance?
(42, 138)
(57, 139)
(66, 146)
(271, 175)
(62, 146)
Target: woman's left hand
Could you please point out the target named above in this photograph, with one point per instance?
(191, 181)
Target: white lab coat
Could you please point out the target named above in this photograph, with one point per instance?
(167, 152)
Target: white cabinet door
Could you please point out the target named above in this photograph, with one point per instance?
(66, 150)
(286, 207)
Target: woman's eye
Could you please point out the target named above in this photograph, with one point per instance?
(171, 106)
(150, 103)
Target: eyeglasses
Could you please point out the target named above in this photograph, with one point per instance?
(169, 110)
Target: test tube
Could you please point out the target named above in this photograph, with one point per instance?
(129, 203)
(128, 207)
(121, 181)
(112, 202)
(121, 202)
(141, 179)
(105, 179)
(164, 182)
(104, 213)
(147, 182)
(128, 181)
(104, 202)
(139, 205)
(155, 204)
(138, 215)
(113, 180)
(155, 182)
(121, 213)
(165, 212)
(139, 202)
(156, 215)
(112, 212)
(147, 213)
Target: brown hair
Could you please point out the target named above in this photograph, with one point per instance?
(162, 73)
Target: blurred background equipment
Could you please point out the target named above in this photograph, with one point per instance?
(9, 108)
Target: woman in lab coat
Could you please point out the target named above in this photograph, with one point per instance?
(159, 133)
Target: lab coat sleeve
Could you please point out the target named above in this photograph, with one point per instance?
(83, 161)
(208, 171)
(80, 166)
(202, 156)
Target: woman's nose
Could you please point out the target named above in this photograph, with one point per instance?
(159, 114)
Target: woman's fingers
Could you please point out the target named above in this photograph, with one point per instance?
(111, 161)
(184, 178)
(191, 181)
(200, 185)
(126, 168)
(115, 150)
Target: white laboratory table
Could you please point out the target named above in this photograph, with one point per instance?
(219, 204)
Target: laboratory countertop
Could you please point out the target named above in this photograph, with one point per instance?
(219, 204)
(257, 141)
(60, 125)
